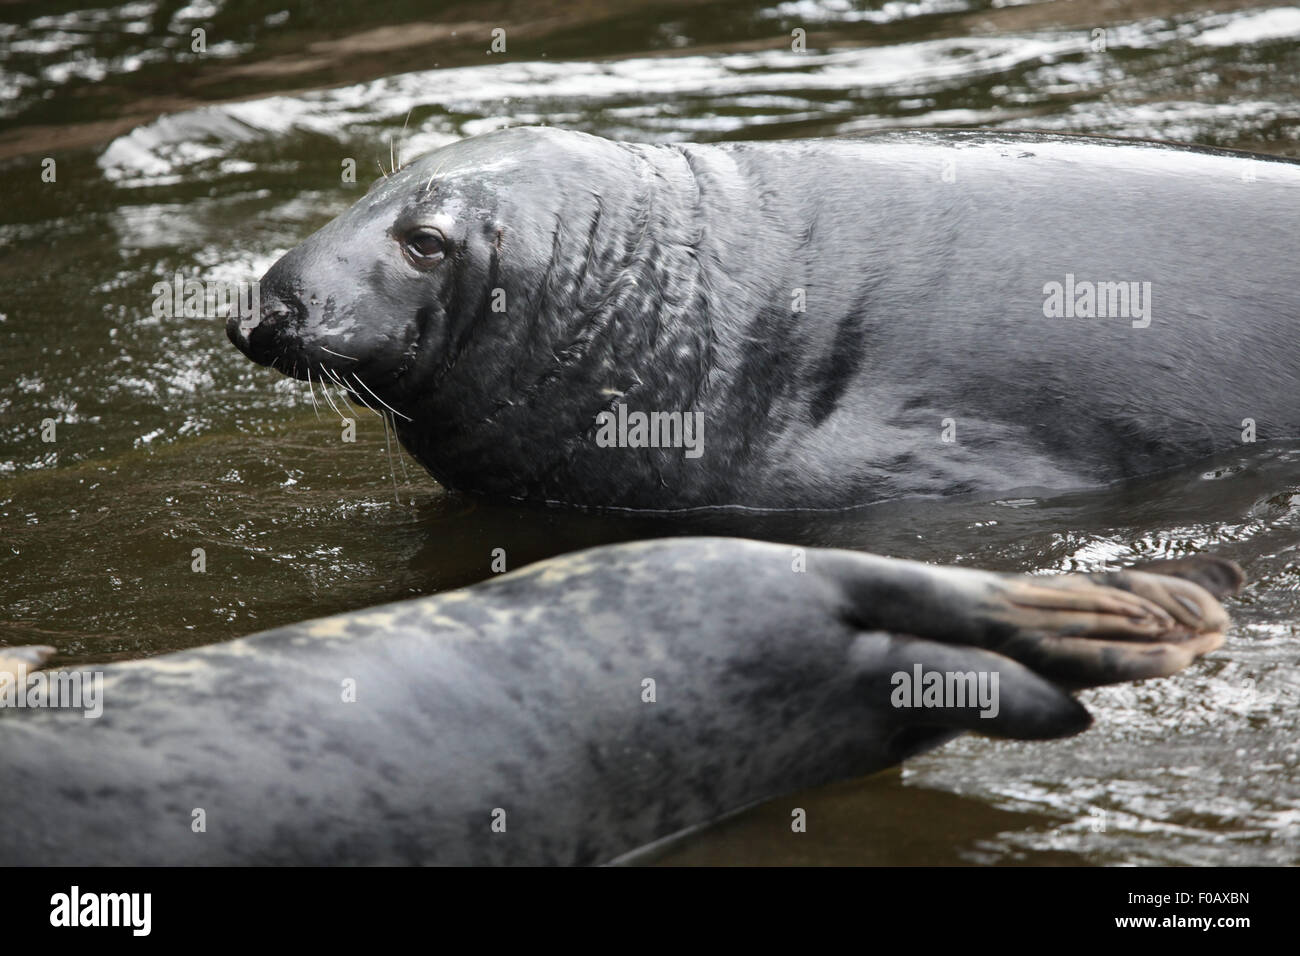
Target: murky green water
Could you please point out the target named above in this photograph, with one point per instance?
(168, 440)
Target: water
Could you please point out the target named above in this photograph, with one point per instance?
(168, 440)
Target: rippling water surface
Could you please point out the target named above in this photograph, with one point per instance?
(212, 166)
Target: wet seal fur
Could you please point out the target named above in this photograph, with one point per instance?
(502, 292)
(526, 695)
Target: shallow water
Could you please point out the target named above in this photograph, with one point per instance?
(168, 440)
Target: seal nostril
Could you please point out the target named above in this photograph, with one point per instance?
(268, 336)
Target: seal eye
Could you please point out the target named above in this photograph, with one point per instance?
(424, 246)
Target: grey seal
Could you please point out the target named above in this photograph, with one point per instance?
(574, 710)
(553, 316)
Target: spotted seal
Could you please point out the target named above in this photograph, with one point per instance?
(576, 709)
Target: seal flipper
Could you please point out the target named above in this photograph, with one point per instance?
(1076, 630)
(1003, 699)
(1055, 627)
(1219, 576)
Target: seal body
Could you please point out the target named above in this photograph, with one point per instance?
(841, 321)
(569, 712)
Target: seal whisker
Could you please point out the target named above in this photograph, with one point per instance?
(383, 417)
(391, 470)
(406, 478)
(343, 388)
(311, 388)
(380, 400)
(372, 408)
(388, 420)
(339, 354)
(401, 139)
(330, 399)
(387, 444)
(334, 376)
(332, 404)
(432, 177)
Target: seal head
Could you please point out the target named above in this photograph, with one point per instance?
(474, 294)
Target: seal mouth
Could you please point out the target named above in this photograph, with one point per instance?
(354, 387)
(324, 370)
(320, 371)
(280, 337)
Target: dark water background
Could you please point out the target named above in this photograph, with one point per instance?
(213, 165)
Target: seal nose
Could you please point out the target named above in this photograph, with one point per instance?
(261, 336)
(267, 336)
(299, 322)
